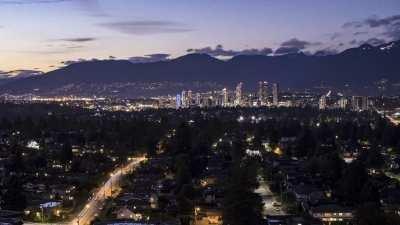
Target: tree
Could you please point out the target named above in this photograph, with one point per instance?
(185, 204)
(369, 214)
(13, 197)
(15, 162)
(373, 158)
(66, 153)
(306, 144)
(241, 206)
(183, 139)
(369, 193)
(352, 182)
(183, 172)
(331, 166)
(237, 150)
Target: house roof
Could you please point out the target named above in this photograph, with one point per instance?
(332, 208)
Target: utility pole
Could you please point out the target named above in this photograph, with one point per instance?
(42, 214)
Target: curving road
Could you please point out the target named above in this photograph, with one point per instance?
(390, 118)
(96, 203)
(268, 199)
(393, 120)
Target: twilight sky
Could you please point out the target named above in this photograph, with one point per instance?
(46, 34)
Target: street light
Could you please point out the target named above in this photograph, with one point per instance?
(196, 212)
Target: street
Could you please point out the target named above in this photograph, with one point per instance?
(95, 204)
(393, 120)
(390, 118)
(271, 204)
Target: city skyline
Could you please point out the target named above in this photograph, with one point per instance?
(45, 35)
(184, 112)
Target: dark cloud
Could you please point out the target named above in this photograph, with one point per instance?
(393, 31)
(294, 45)
(82, 39)
(370, 41)
(149, 58)
(374, 41)
(146, 27)
(70, 62)
(219, 51)
(379, 22)
(360, 33)
(354, 24)
(390, 25)
(325, 52)
(75, 46)
(287, 50)
(20, 73)
(353, 42)
(136, 59)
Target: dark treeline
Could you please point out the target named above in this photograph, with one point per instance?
(188, 136)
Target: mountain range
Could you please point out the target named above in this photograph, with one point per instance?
(363, 69)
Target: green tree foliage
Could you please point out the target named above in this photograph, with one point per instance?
(183, 175)
(13, 197)
(241, 206)
(371, 214)
(352, 182)
(66, 153)
(306, 144)
(185, 200)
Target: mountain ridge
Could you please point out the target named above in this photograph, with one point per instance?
(359, 67)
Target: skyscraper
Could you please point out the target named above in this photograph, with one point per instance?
(183, 99)
(359, 103)
(343, 103)
(225, 99)
(364, 103)
(263, 92)
(178, 101)
(322, 102)
(198, 99)
(275, 94)
(238, 94)
(189, 100)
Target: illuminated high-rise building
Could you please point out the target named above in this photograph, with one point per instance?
(198, 99)
(184, 99)
(364, 103)
(225, 98)
(343, 103)
(322, 102)
(178, 101)
(357, 103)
(189, 98)
(239, 94)
(263, 92)
(275, 94)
